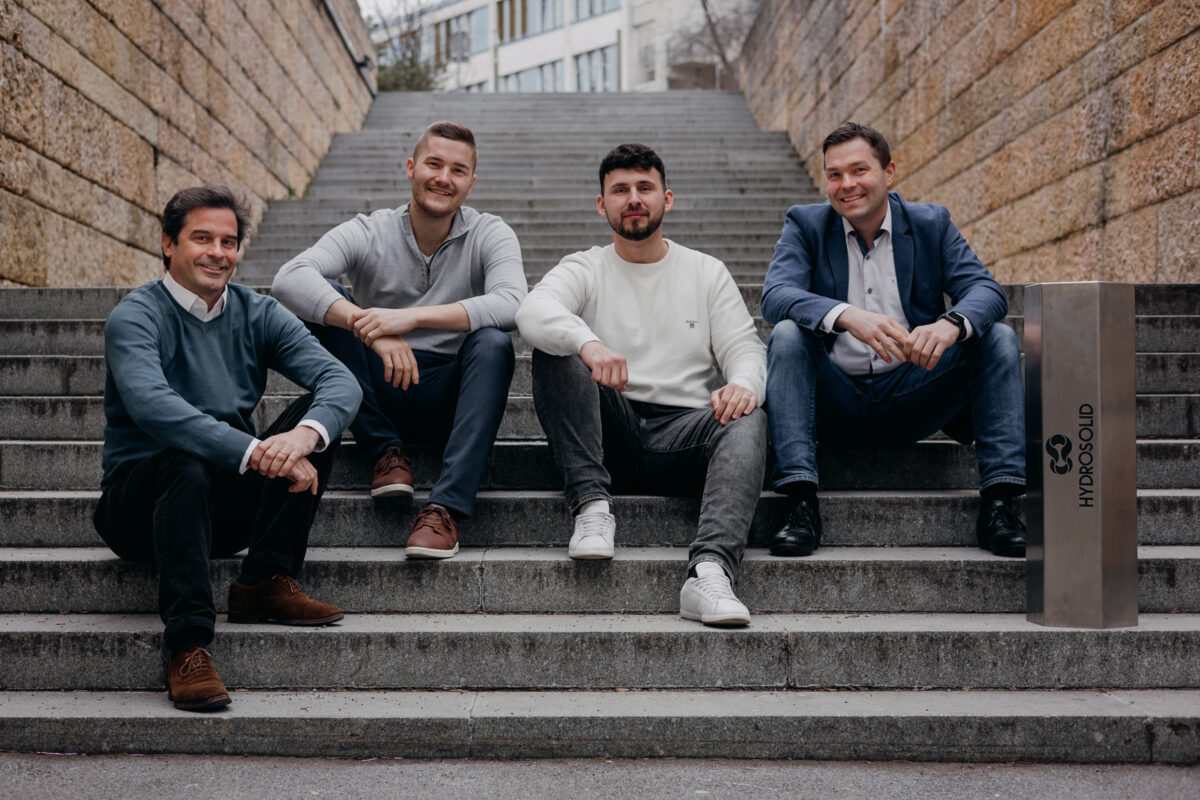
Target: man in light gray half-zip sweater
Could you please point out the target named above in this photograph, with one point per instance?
(434, 287)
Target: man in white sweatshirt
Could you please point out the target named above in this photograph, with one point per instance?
(647, 375)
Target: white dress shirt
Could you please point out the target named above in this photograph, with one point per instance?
(194, 304)
(872, 286)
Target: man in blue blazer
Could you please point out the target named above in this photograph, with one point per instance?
(864, 350)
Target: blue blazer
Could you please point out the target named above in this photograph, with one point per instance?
(809, 273)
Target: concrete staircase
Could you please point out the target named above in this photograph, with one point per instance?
(898, 639)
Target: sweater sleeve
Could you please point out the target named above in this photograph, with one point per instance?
(740, 353)
(549, 318)
(131, 351)
(297, 355)
(504, 284)
(302, 284)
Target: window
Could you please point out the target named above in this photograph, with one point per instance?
(593, 8)
(520, 18)
(546, 77)
(596, 70)
(460, 36)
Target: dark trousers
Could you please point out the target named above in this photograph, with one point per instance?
(602, 440)
(458, 404)
(177, 511)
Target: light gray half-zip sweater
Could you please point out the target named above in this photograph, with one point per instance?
(478, 265)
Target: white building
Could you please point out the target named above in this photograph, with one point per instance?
(547, 45)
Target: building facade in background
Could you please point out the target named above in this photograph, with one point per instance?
(563, 45)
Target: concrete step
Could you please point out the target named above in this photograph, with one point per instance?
(1172, 416)
(89, 303)
(351, 518)
(1157, 373)
(603, 651)
(563, 242)
(527, 465)
(1114, 726)
(640, 580)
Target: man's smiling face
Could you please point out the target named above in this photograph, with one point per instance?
(857, 184)
(203, 259)
(442, 172)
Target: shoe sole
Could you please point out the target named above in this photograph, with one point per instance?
(249, 619)
(1011, 552)
(393, 489)
(429, 552)
(789, 551)
(211, 704)
(592, 555)
(716, 622)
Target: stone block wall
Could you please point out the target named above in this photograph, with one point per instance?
(1063, 136)
(107, 107)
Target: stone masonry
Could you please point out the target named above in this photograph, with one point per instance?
(107, 107)
(1063, 136)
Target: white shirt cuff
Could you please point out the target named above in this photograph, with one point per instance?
(827, 321)
(246, 456)
(968, 330)
(320, 429)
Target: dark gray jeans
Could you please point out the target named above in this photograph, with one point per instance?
(601, 440)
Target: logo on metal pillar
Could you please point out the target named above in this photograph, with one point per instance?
(1059, 448)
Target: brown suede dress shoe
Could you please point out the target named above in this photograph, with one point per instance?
(193, 683)
(393, 474)
(280, 600)
(434, 534)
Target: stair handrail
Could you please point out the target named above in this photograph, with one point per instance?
(362, 62)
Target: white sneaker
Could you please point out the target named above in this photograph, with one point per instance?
(711, 600)
(593, 537)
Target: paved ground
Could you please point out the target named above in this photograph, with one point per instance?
(49, 777)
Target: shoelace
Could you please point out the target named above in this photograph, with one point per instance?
(443, 516)
(716, 586)
(290, 583)
(395, 459)
(592, 525)
(199, 661)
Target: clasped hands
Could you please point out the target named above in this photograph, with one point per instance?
(732, 401)
(923, 345)
(382, 330)
(286, 455)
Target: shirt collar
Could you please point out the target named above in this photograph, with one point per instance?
(192, 303)
(886, 227)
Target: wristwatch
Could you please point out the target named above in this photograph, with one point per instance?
(959, 320)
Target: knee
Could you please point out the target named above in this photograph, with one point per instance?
(1000, 342)
(185, 475)
(552, 367)
(788, 341)
(491, 342)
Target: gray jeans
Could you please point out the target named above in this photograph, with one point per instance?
(601, 440)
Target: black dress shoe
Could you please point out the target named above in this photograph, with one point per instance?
(801, 533)
(999, 529)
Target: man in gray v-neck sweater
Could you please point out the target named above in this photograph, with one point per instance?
(434, 288)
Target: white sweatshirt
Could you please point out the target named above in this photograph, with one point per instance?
(676, 321)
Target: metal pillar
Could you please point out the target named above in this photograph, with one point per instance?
(1081, 455)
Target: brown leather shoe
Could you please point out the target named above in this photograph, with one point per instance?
(434, 534)
(393, 474)
(193, 683)
(280, 600)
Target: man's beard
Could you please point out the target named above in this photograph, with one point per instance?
(633, 234)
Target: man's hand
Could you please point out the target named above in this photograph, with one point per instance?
(732, 401)
(399, 363)
(879, 331)
(286, 454)
(369, 324)
(608, 366)
(926, 343)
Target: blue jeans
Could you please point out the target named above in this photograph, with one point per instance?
(811, 399)
(459, 402)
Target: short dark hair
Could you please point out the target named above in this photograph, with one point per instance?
(631, 156)
(452, 131)
(206, 196)
(852, 130)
